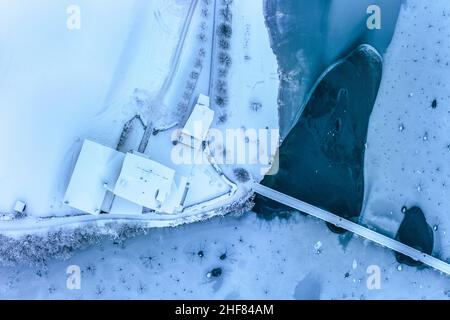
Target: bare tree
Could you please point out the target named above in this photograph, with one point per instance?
(223, 72)
(194, 75)
(221, 101)
(226, 14)
(224, 44)
(225, 30)
(198, 63)
(202, 37)
(221, 86)
(224, 59)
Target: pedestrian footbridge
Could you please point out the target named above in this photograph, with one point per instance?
(353, 227)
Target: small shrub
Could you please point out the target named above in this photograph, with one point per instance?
(224, 44)
(221, 87)
(202, 37)
(223, 72)
(221, 101)
(225, 30)
(222, 119)
(241, 174)
(226, 14)
(194, 75)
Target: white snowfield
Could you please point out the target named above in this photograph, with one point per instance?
(61, 86)
(58, 86)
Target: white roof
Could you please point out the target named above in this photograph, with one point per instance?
(125, 207)
(203, 100)
(20, 206)
(177, 195)
(144, 181)
(198, 124)
(96, 165)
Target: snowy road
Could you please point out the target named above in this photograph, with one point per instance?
(178, 50)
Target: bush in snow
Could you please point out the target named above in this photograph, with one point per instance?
(223, 72)
(224, 44)
(222, 118)
(198, 63)
(194, 75)
(222, 87)
(241, 174)
(181, 107)
(226, 14)
(221, 101)
(255, 105)
(227, 2)
(202, 37)
(190, 85)
(225, 30)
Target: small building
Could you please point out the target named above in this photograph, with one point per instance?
(198, 124)
(203, 100)
(106, 180)
(144, 181)
(19, 207)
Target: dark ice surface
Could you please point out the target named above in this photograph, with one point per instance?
(321, 159)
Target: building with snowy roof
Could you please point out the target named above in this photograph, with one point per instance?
(198, 124)
(106, 180)
(144, 181)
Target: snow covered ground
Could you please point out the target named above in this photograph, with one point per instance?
(253, 79)
(58, 86)
(407, 161)
(66, 85)
(299, 259)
